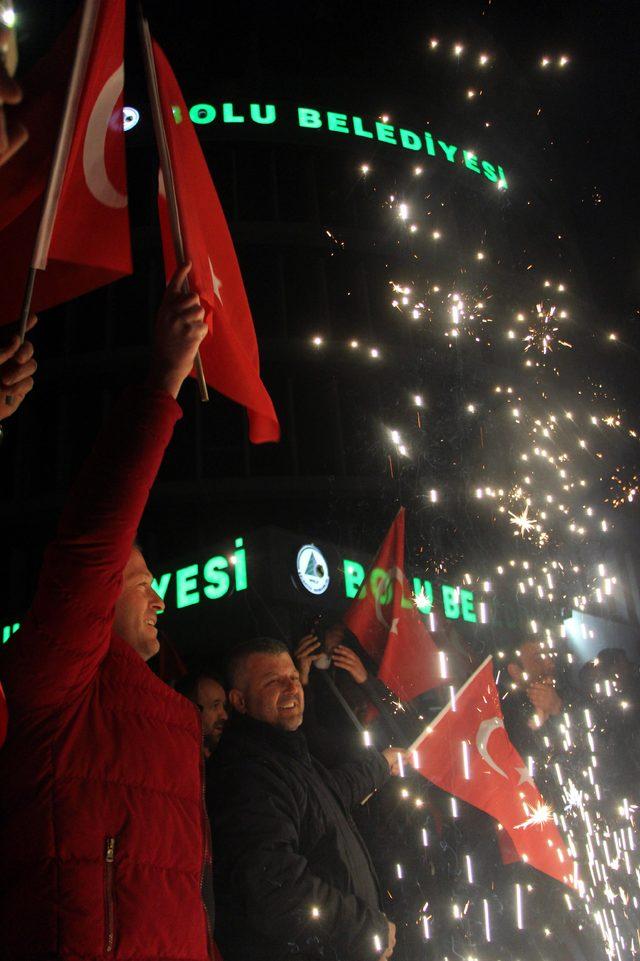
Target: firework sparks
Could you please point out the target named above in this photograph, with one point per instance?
(540, 814)
(543, 331)
(523, 522)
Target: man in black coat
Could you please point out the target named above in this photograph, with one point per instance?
(292, 875)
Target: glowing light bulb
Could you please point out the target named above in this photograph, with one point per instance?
(433, 43)
(317, 341)
(458, 49)
(483, 60)
(365, 168)
(436, 235)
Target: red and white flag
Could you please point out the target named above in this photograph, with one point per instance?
(386, 621)
(230, 353)
(467, 752)
(90, 243)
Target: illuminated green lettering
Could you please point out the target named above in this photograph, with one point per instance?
(203, 113)
(257, 116)
(471, 161)
(450, 602)
(160, 587)
(337, 122)
(228, 116)
(423, 591)
(353, 577)
(359, 129)
(215, 573)
(410, 140)
(449, 150)
(467, 607)
(381, 585)
(8, 630)
(502, 182)
(186, 593)
(240, 565)
(489, 171)
(308, 117)
(384, 132)
(428, 139)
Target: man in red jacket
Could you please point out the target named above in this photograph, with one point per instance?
(104, 842)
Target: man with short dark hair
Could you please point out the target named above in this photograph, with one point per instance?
(292, 875)
(207, 692)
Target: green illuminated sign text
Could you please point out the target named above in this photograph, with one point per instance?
(310, 118)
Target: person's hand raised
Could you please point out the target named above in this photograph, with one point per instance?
(180, 329)
(349, 661)
(17, 368)
(544, 698)
(307, 651)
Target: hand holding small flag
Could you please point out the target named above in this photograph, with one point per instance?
(180, 329)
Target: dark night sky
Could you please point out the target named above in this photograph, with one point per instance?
(586, 128)
(590, 110)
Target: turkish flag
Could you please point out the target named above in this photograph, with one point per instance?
(386, 621)
(230, 353)
(90, 243)
(467, 752)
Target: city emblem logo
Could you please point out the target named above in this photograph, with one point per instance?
(312, 569)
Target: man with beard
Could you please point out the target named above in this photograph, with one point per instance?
(207, 692)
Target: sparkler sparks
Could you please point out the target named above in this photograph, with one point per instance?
(541, 814)
(543, 331)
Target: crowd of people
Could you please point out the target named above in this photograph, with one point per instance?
(110, 778)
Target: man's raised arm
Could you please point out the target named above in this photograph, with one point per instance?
(68, 629)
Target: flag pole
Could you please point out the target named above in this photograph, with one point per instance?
(58, 167)
(167, 171)
(61, 155)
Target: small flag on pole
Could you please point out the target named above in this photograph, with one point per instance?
(230, 354)
(387, 623)
(467, 752)
(64, 222)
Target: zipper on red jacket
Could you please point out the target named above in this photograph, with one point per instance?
(109, 912)
(205, 841)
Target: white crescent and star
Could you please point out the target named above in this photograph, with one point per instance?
(217, 283)
(485, 730)
(93, 152)
(396, 574)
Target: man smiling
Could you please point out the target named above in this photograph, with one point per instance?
(292, 875)
(104, 842)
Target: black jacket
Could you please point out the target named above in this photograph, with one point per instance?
(292, 875)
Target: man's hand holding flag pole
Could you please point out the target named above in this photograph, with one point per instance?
(194, 228)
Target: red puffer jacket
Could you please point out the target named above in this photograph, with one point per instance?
(103, 836)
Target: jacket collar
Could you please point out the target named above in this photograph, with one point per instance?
(245, 729)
